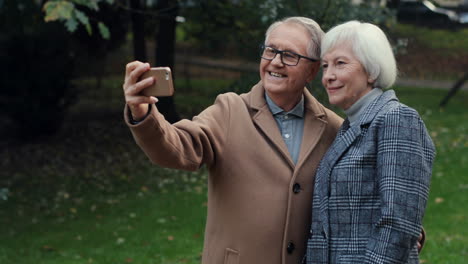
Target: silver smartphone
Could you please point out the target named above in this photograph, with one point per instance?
(162, 86)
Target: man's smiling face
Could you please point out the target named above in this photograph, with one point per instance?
(282, 80)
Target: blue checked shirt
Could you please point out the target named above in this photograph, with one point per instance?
(290, 124)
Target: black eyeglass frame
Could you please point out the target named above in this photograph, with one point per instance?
(280, 52)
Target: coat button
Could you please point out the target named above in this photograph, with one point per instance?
(290, 247)
(296, 188)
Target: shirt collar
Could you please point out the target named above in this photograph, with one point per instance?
(298, 110)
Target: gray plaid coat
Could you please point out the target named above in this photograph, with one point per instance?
(371, 188)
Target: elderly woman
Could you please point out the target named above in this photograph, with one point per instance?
(372, 185)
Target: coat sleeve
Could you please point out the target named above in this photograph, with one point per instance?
(187, 144)
(405, 153)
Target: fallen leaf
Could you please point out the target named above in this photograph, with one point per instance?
(48, 248)
(439, 200)
(170, 238)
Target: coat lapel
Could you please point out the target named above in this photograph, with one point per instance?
(314, 125)
(266, 122)
(346, 136)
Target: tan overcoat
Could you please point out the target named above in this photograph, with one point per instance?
(259, 202)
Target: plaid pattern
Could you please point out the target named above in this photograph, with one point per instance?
(372, 187)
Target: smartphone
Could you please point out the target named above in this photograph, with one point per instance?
(162, 86)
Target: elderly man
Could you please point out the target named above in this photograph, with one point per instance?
(262, 149)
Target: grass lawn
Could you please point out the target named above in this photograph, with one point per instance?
(88, 195)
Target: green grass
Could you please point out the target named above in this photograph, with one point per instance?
(445, 41)
(142, 227)
(89, 195)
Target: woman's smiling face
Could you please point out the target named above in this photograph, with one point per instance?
(344, 77)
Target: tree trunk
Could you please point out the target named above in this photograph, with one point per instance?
(165, 49)
(138, 28)
(457, 86)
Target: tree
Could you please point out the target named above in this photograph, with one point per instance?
(67, 11)
(36, 70)
(165, 49)
(138, 29)
(456, 86)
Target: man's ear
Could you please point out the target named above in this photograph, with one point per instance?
(313, 71)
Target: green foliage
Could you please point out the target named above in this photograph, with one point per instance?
(238, 27)
(329, 13)
(217, 27)
(67, 12)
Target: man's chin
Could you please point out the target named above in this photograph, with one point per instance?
(274, 88)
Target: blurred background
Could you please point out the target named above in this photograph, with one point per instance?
(74, 186)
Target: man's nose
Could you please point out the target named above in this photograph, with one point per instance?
(277, 59)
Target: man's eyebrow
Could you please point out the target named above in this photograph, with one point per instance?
(287, 49)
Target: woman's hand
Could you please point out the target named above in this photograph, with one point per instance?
(132, 87)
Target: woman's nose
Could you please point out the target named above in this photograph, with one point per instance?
(328, 75)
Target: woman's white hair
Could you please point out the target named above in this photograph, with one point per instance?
(370, 46)
(316, 33)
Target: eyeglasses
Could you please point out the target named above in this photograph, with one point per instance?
(287, 57)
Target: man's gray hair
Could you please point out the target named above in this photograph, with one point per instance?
(316, 33)
(370, 46)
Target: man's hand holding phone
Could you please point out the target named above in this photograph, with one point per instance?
(142, 85)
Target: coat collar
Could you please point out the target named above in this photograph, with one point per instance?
(375, 106)
(263, 118)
